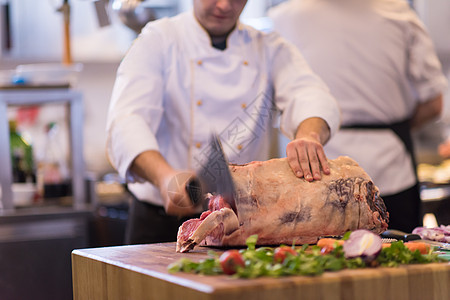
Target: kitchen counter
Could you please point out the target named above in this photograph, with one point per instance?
(140, 272)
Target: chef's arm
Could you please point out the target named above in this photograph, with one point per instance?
(152, 166)
(305, 153)
(427, 111)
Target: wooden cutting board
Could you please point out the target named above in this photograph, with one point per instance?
(140, 272)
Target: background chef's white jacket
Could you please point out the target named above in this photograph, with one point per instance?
(378, 64)
(173, 89)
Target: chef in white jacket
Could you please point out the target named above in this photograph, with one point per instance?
(201, 72)
(379, 62)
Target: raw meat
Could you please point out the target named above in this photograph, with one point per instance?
(283, 209)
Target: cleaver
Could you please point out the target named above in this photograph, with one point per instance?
(213, 177)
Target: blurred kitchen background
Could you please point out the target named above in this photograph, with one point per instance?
(41, 218)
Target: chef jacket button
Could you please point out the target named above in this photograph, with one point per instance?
(199, 102)
(198, 145)
(239, 147)
(199, 62)
(244, 106)
(245, 63)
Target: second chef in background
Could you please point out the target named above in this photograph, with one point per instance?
(379, 62)
(203, 71)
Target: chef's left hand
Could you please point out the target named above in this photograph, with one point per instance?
(305, 153)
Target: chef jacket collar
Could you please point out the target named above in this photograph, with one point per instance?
(203, 39)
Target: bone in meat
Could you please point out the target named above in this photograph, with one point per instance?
(283, 209)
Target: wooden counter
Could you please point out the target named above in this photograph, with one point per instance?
(140, 272)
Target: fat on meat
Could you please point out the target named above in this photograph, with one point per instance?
(284, 209)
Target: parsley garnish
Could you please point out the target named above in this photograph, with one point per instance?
(309, 261)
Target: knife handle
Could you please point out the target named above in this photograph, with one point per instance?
(400, 235)
(194, 190)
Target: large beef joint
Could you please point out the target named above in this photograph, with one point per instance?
(283, 209)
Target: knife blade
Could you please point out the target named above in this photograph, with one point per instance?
(411, 237)
(214, 176)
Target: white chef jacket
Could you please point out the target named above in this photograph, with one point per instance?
(173, 89)
(379, 63)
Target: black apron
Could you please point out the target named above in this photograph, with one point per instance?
(402, 129)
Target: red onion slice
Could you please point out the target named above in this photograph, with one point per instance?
(363, 243)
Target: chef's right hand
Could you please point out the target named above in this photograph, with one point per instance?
(176, 199)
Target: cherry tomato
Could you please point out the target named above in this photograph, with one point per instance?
(281, 253)
(230, 260)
